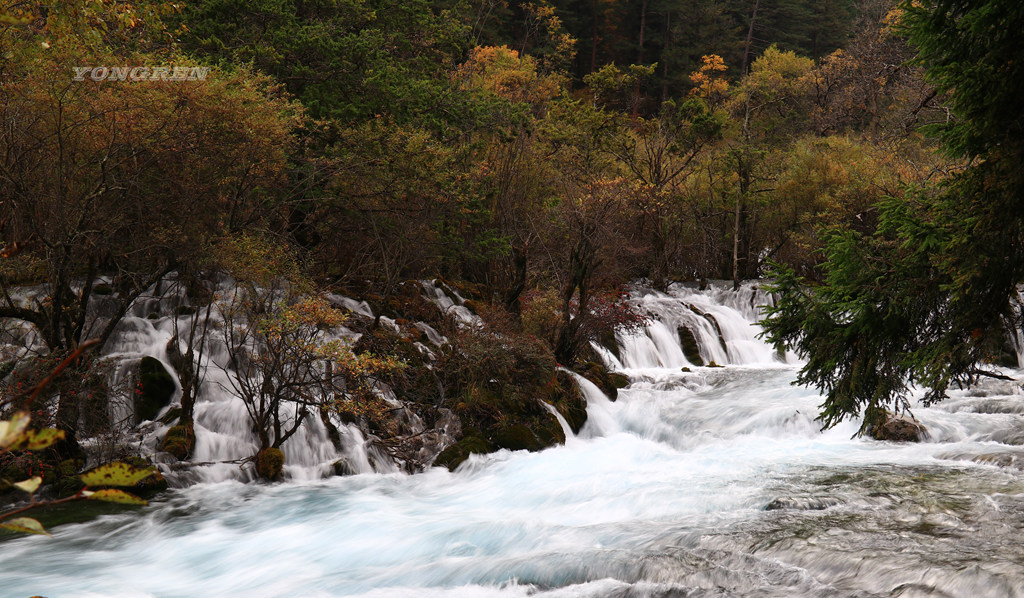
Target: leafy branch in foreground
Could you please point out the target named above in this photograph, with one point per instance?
(15, 435)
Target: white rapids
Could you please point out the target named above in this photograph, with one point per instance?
(713, 482)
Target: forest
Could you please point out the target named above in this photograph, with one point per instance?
(533, 157)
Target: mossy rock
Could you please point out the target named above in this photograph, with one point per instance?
(156, 389)
(688, 342)
(102, 289)
(342, 467)
(269, 463)
(475, 306)
(569, 402)
(608, 382)
(516, 437)
(712, 364)
(618, 380)
(171, 416)
(454, 455)
(179, 441)
(549, 432)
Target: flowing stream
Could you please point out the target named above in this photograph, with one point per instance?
(711, 482)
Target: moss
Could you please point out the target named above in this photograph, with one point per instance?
(179, 441)
(608, 382)
(618, 380)
(569, 402)
(454, 455)
(156, 388)
(516, 437)
(689, 344)
(269, 463)
(171, 416)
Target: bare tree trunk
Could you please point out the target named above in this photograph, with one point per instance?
(640, 56)
(750, 38)
(736, 242)
(665, 51)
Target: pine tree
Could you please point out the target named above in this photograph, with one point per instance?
(923, 299)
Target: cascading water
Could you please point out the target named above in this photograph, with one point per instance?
(708, 482)
(722, 322)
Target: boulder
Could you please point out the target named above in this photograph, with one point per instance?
(156, 389)
(897, 428)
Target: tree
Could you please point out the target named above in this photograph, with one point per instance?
(922, 299)
(107, 186)
(286, 366)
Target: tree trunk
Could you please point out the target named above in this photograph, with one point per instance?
(640, 56)
(665, 51)
(736, 242)
(750, 38)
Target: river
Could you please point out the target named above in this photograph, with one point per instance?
(713, 482)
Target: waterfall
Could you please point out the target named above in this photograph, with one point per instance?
(721, 322)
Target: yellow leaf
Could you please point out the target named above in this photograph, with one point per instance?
(118, 496)
(30, 485)
(35, 440)
(25, 525)
(11, 429)
(116, 474)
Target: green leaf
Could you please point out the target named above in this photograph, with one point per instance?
(30, 485)
(118, 496)
(116, 474)
(25, 525)
(11, 430)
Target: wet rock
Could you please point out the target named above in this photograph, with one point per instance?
(342, 467)
(179, 441)
(516, 437)
(454, 455)
(688, 342)
(269, 463)
(898, 428)
(608, 382)
(802, 503)
(1008, 459)
(156, 389)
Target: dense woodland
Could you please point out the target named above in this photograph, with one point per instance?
(537, 155)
